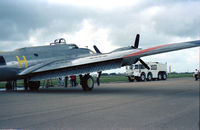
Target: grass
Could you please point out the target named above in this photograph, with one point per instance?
(104, 79)
(180, 75)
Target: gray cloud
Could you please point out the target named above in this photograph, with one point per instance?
(174, 19)
(22, 19)
(19, 20)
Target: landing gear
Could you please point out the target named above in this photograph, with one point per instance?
(32, 85)
(8, 86)
(11, 85)
(87, 82)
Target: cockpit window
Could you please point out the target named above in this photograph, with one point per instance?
(2, 61)
(73, 46)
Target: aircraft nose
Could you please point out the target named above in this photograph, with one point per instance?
(7, 73)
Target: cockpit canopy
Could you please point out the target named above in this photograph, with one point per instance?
(58, 41)
(62, 41)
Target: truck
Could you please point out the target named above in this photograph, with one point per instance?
(139, 73)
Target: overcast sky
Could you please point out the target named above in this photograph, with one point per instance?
(106, 23)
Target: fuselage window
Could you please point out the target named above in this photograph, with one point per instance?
(35, 54)
(73, 46)
(2, 61)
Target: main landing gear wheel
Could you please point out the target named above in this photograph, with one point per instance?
(34, 85)
(87, 83)
(11, 85)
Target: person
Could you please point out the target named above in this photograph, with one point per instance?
(73, 80)
(98, 78)
(66, 83)
(60, 81)
(196, 72)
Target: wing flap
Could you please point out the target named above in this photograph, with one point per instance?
(76, 70)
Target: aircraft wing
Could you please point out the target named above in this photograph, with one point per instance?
(63, 67)
(164, 48)
(98, 62)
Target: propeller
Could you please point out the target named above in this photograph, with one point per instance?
(143, 63)
(136, 44)
(96, 49)
(137, 39)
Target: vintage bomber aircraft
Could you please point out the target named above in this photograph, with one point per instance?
(60, 59)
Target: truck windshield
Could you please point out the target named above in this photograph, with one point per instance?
(136, 67)
(142, 67)
(139, 66)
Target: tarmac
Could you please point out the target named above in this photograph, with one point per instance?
(171, 104)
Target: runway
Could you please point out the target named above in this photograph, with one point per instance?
(171, 104)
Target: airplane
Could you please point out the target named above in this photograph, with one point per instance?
(58, 59)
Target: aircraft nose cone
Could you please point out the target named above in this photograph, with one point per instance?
(7, 73)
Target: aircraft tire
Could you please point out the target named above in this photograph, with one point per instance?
(34, 85)
(87, 83)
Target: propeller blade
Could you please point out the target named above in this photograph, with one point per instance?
(143, 63)
(96, 49)
(137, 39)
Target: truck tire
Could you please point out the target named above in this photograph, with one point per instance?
(159, 76)
(164, 76)
(149, 77)
(142, 77)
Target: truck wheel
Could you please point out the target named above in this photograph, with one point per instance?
(164, 76)
(137, 79)
(142, 77)
(149, 77)
(130, 78)
(159, 76)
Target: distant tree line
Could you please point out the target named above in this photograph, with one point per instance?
(112, 74)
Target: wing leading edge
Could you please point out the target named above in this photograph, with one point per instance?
(164, 48)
